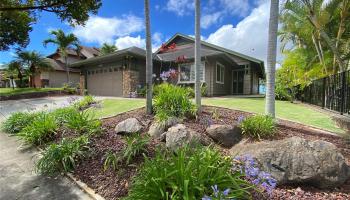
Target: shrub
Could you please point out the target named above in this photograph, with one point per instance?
(61, 115)
(258, 126)
(63, 156)
(85, 102)
(111, 160)
(82, 122)
(188, 173)
(281, 93)
(172, 101)
(135, 145)
(41, 130)
(17, 121)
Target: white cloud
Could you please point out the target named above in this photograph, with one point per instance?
(249, 36)
(180, 7)
(235, 7)
(209, 19)
(157, 40)
(128, 41)
(138, 41)
(100, 29)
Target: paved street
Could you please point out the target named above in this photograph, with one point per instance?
(17, 177)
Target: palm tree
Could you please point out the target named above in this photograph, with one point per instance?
(149, 62)
(18, 68)
(271, 59)
(34, 62)
(64, 42)
(108, 48)
(197, 55)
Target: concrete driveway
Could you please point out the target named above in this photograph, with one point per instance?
(18, 179)
(8, 107)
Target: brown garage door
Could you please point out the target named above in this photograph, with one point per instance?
(105, 82)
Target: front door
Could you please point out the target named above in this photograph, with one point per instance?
(237, 81)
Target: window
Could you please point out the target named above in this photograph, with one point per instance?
(220, 73)
(186, 72)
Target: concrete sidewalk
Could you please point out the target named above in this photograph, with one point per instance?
(18, 181)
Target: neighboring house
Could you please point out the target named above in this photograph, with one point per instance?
(224, 71)
(56, 77)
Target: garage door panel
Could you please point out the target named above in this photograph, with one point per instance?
(105, 84)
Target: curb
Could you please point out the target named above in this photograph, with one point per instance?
(84, 187)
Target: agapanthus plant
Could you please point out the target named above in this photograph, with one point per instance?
(249, 167)
(217, 194)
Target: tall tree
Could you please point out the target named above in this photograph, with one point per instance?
(17, 17)
(271, 59)
(149, 62)
(18, 68)
(197, 55)
(34, 62)
(64, 42)
(108, 48)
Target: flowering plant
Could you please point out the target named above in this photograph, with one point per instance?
(218, 195)
(248, 166)
(171, 74)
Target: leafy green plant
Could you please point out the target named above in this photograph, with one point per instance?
(17, 121)
(85, 102)
(61, 115)
(40, 131)
(111, 160)
(258, 126)
(82, 122)
(172, 101)
(188, 173)
(135, 145)
(215, 114)
(63, 156)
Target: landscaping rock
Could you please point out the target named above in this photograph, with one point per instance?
(299, 161)
(179, 135)
(225, 135)
(157, 128)
(131, 125)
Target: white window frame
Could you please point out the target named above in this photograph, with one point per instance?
(222, 67)
(192, 65)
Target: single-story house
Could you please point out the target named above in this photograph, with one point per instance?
(56, 76)
(223, 71)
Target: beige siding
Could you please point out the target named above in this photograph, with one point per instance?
(217, 89)
(58, 78)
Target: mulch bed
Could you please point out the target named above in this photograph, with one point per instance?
(114, 185)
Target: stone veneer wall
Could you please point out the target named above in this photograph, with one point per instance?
(130, 82)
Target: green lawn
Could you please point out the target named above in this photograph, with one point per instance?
(111, 107)
(285, 110)
(10, 91)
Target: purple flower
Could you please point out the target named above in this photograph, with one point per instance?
(206, 198)
(225, 192)
(215, 190)
(240, 119)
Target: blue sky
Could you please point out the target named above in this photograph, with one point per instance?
(235, 24)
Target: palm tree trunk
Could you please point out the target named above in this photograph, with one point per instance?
(67, 68)
(271, 59)
(149, 62)
(197, 56)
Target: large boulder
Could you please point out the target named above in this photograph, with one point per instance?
(226, 135)
(180, 135)
(299, 161)
(158, 128)
(130, 125)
